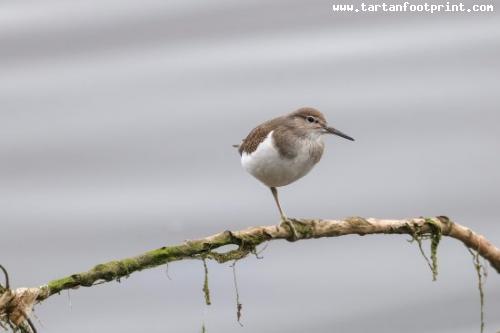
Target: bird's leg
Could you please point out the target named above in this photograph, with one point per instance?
(274, 190)
(284, 219)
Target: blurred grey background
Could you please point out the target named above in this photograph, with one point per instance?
(116, 125)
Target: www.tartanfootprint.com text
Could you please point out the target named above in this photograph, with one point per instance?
(409, 7)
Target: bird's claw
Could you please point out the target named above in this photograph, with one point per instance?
(289, 223)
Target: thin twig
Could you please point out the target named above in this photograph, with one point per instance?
(239, 306)
(206, 289)
(418, 239)
(6, 274)
(257, 253)
(31, 325)
(166, 272)
(481, 279)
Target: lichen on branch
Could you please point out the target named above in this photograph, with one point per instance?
(435, 237)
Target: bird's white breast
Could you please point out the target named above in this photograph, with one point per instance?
(267, 165)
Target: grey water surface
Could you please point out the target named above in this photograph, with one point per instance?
(116, 125)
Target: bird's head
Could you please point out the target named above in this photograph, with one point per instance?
(314, 122)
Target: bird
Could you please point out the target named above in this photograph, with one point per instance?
(282, 150)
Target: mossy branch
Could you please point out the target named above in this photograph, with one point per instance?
(246, 241)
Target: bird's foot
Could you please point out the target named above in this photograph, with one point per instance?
(289, 223)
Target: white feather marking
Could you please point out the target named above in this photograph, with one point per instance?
(268, 166)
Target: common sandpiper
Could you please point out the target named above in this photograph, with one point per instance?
(284, 149)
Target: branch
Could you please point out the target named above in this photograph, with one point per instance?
(247, 240)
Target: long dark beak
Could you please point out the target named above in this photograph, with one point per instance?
(332, 130)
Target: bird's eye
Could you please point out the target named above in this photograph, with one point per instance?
(310, 119)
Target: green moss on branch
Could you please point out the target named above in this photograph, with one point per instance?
(116, 269)
(246, 241)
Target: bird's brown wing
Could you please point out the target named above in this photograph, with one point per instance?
(256, 136)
